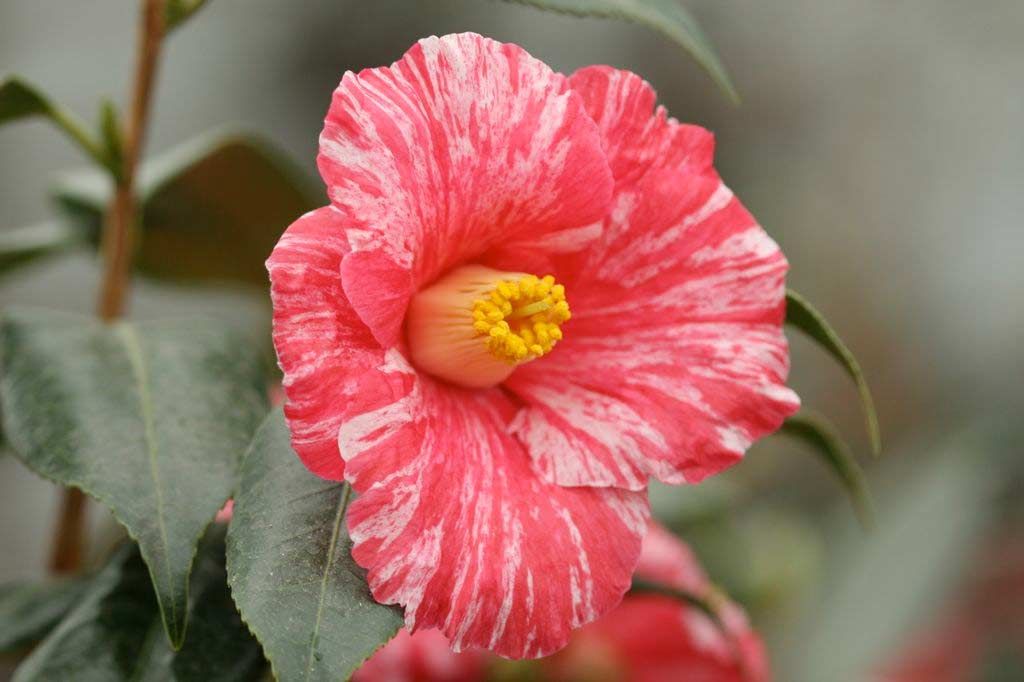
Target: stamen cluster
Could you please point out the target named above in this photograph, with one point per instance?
(520, 318)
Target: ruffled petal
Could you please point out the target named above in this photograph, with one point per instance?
(453, 524)
(463, 145)
(322, 345)
(675, 360)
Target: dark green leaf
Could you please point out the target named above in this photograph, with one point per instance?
(114, 633)
(212, 209)
(668, 17)
(822, 436)
(149, 419)
(291, 568)
(20, 100)
(29, 610)
(177, 11)
(802, 315)
(26, 244)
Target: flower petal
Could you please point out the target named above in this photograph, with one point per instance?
(462, 145)
(653, 637)
(675, 360)
(452, 522)
(668, 561)
(321, 343)
(426, 657)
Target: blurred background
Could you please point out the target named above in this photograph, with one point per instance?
(878, 142)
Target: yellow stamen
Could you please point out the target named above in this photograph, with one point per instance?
(475, 325)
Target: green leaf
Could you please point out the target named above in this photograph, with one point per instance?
(212, 209)
(29, 610)
(115, 634)
(822, 436)
(668, 17)
(177, 12)
(802, 315)
(20, 100)
(110, 134)
(27, 244)
(150, 419)
(291, 568)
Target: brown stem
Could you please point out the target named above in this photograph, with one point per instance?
(117, 247)
(67, 548)
(117, 232)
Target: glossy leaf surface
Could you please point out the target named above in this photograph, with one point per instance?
(291, 568)
(149, 419)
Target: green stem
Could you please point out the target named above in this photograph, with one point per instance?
(78, 132)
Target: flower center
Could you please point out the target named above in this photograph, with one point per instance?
(476, 324)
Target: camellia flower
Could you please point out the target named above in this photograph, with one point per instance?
(528, 295)
(648, 638)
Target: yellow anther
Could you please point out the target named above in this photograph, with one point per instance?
(538, 306)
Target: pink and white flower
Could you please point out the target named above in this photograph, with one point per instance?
(647, 638)
(499, 439)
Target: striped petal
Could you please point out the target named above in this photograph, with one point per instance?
(675, 360)
(462, 145)
(453, 524)
(321, 343)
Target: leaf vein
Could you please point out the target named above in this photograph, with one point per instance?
(133, 348)
(346, 492)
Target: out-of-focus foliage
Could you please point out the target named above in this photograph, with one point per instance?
(212, 209)
(881, 583)
(291, 568)
(177, 12)
(19, 100)
(149, 419)
(666, 16)
(824, 439)
(114, 632)
(28, 244)
(29, 610)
